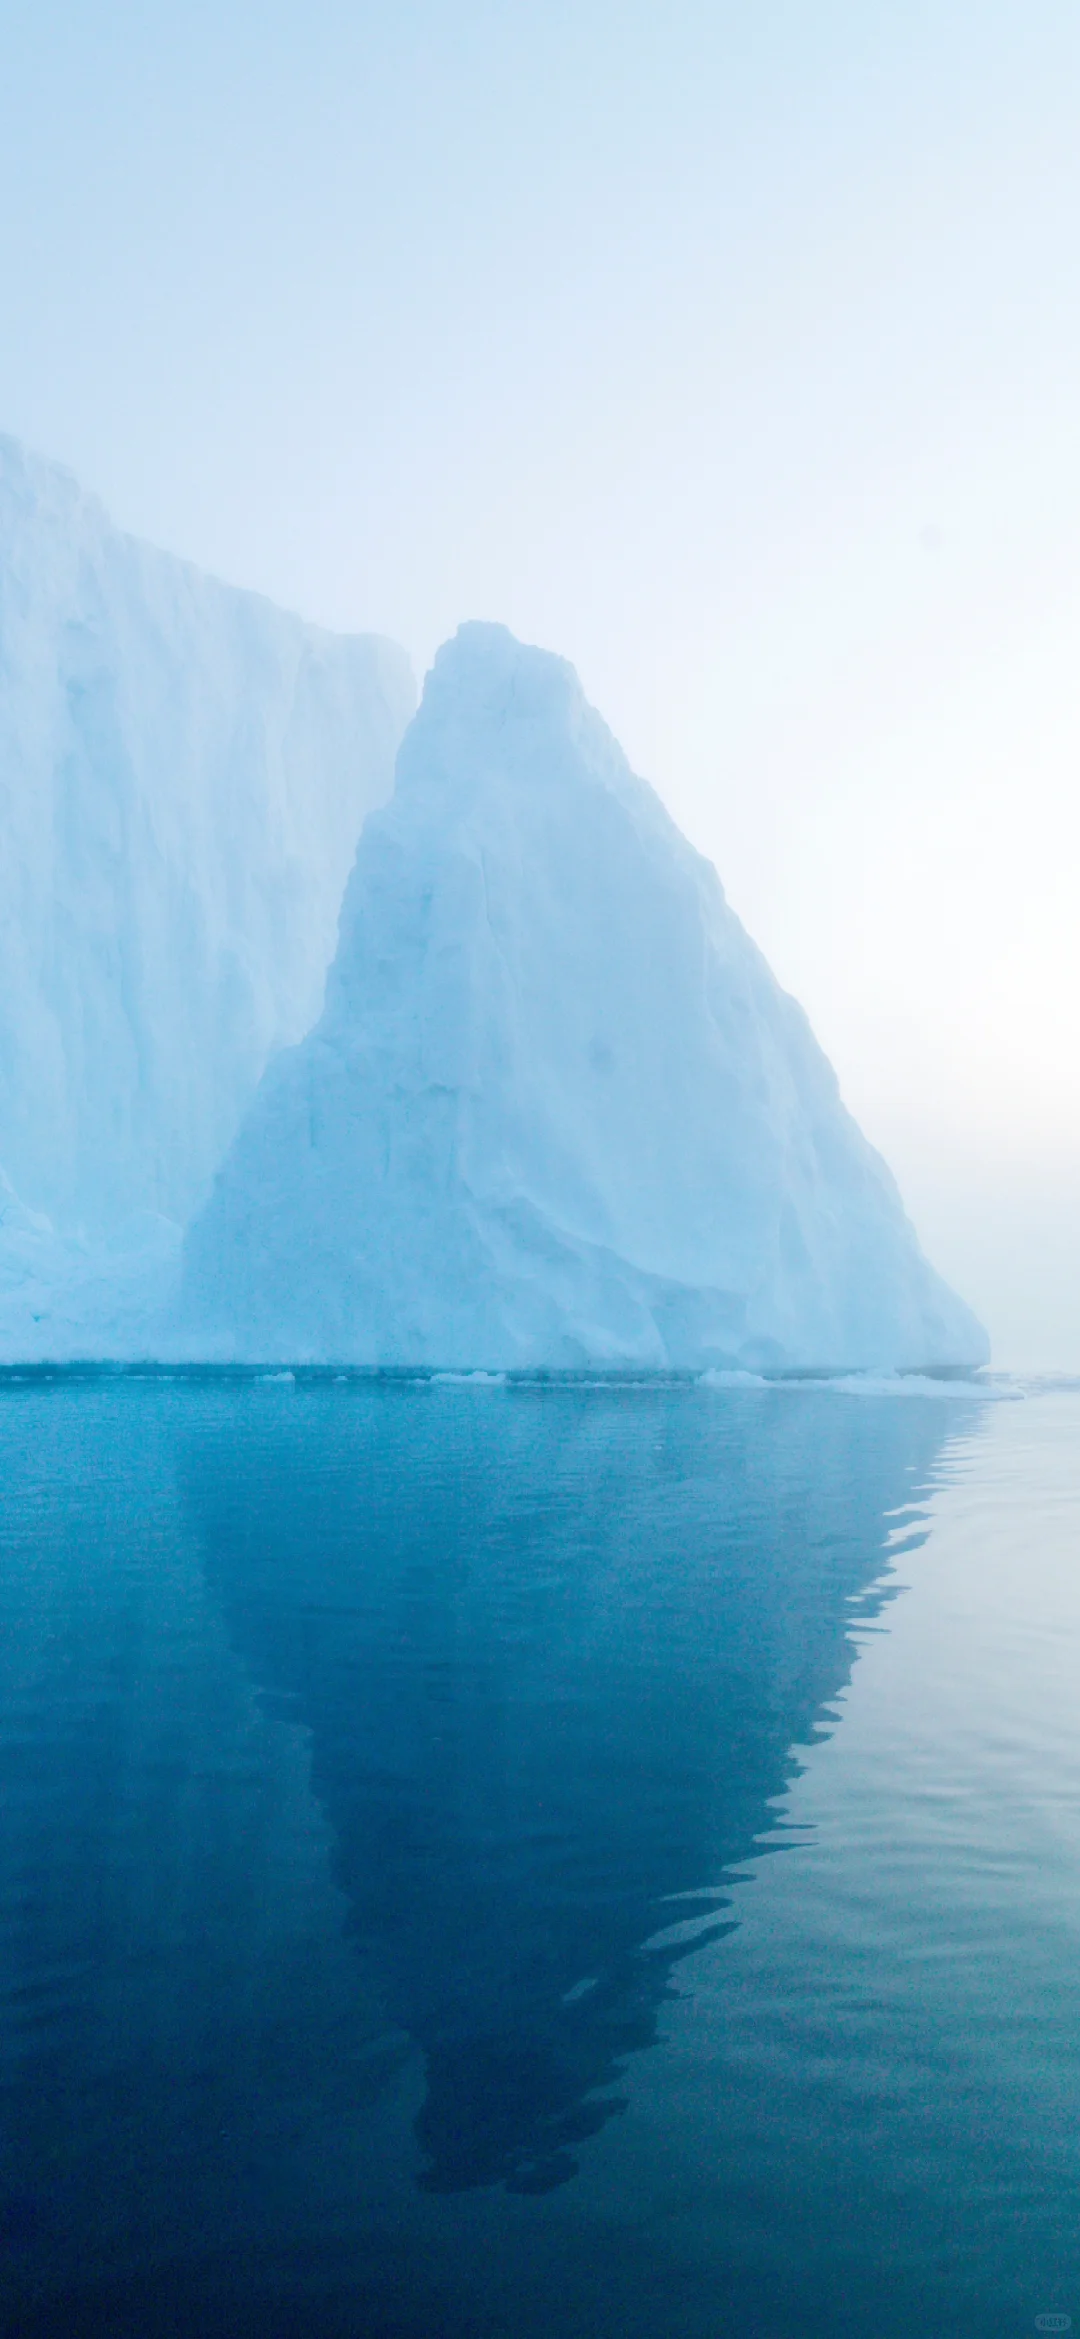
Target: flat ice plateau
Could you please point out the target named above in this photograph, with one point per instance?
(556, 1111)
(184, 770)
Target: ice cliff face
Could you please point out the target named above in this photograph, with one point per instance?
(556, 1110)
(183, 773)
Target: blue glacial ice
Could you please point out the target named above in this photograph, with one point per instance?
(184, 770)
(556, 1111)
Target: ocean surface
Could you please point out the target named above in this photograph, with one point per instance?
(489, 1860)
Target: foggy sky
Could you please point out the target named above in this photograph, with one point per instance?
(731, 352)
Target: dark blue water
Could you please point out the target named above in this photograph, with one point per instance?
(511, 1861)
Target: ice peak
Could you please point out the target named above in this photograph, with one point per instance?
(485, 681)
(497, 715)
(557, 1110)
(485, 668)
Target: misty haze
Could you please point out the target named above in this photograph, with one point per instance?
(539, 1148)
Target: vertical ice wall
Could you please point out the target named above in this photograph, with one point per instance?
(184, 770)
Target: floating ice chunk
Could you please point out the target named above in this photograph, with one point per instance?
(911, 1385)
(478, 1379)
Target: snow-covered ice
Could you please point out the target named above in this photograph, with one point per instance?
(556, 1111)
(183, 773)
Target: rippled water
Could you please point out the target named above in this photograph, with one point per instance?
(498, 1860)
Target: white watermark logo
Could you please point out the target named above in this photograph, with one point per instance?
(1053, 2322)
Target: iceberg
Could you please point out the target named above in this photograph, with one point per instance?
(184, 770)
(556, 1112)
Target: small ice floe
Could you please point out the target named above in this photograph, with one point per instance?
(909, 1385)
(715, 1379)
(472, 1380)
(270, 1379)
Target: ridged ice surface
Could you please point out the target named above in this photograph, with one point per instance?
(556, 1110)
(184, 770)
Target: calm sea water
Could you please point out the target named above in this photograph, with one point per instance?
(511, 1861)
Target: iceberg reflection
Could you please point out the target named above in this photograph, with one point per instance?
(557, 1651)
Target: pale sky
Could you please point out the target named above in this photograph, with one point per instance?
(734, 352)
